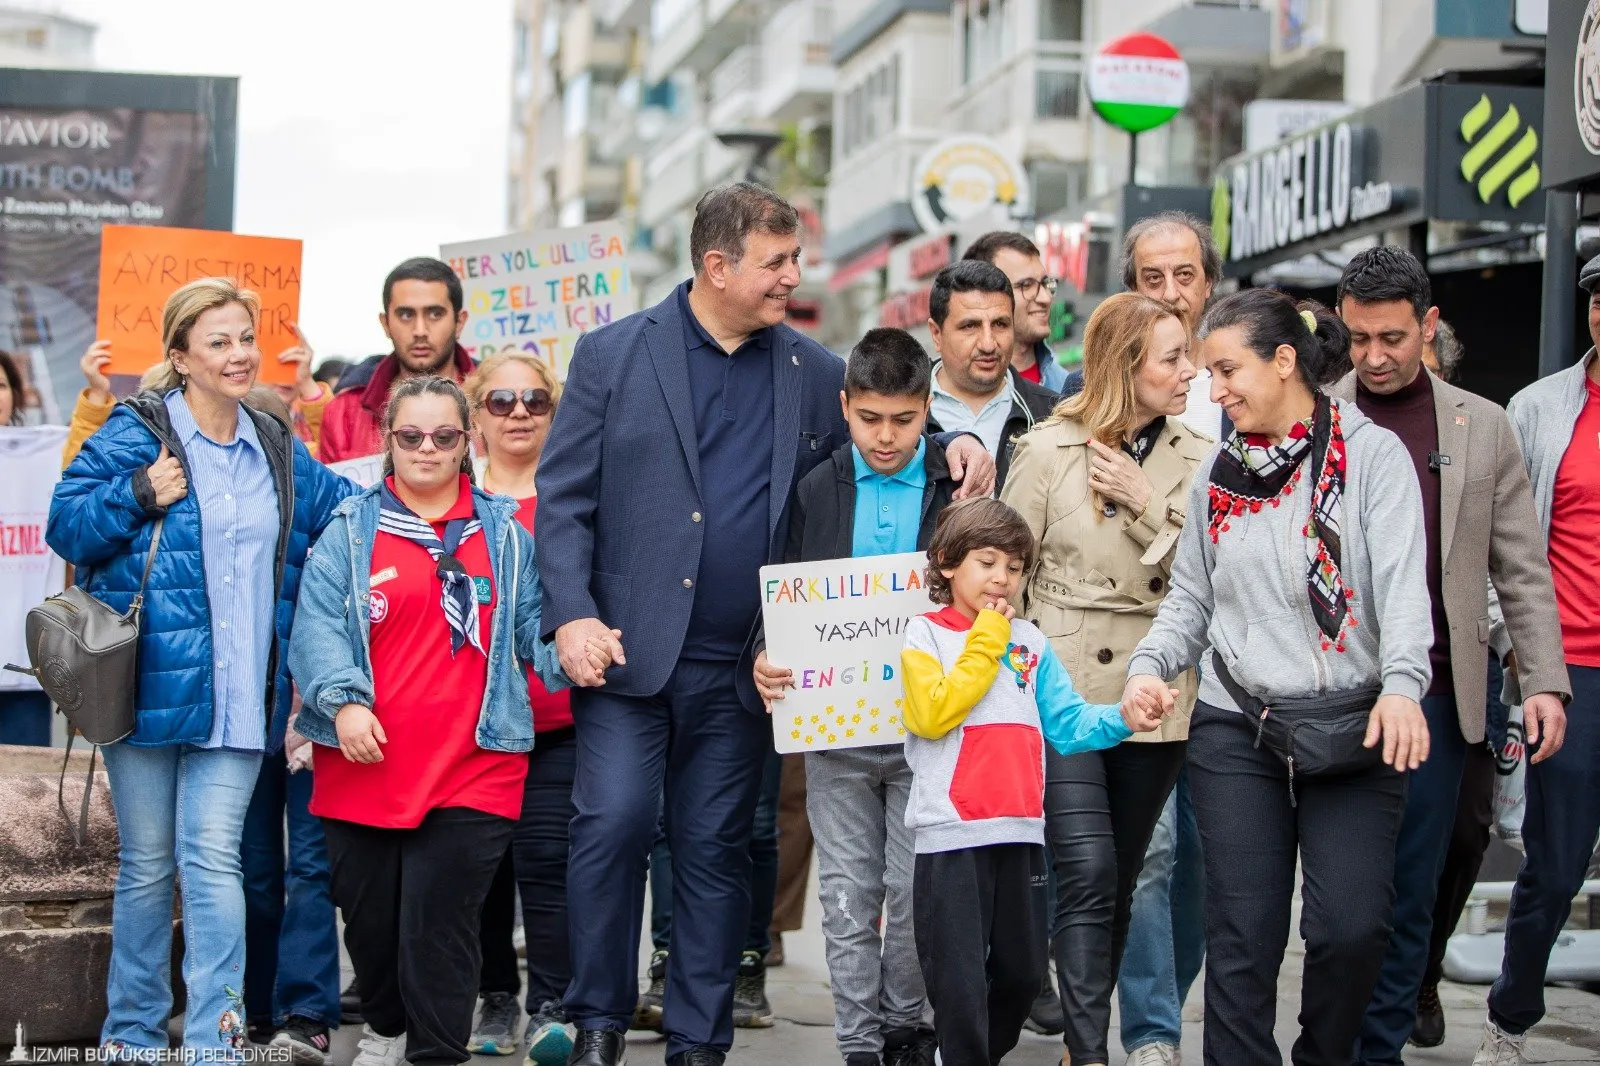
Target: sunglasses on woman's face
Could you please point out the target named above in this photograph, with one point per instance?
(445, 438)
(501, 402)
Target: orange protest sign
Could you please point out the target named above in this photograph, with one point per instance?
(140, 266)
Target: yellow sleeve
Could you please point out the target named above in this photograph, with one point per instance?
(87, 416)
(311, 411)
(937, 702)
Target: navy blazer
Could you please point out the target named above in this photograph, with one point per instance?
(620, 497)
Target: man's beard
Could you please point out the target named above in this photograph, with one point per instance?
(432, 367)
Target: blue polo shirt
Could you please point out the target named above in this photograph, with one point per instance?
(888, 506)
(733, 421)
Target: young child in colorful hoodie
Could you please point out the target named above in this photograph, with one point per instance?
(983, 693)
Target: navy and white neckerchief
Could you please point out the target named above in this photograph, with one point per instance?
(460, 598)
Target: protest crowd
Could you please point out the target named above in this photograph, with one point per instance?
(1233, 600)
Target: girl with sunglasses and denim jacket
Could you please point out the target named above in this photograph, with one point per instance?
(418, 615)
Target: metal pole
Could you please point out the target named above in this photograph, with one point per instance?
(1133, 159)
(1557, 336)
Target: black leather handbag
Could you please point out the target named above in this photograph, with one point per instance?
(86, 658)
(1317, 736)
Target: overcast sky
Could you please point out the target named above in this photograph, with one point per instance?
(372, 130)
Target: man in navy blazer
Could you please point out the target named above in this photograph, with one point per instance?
(662, 489)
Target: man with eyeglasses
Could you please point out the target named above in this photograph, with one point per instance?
(1019, 260)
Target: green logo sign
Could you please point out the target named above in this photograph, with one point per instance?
(1516, 170)
(1222, 215)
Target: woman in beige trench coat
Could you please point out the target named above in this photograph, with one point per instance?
(1104, 483)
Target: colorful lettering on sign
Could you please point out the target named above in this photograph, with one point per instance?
(842, 586)
(22, 539)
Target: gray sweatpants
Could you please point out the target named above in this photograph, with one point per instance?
(856, 800)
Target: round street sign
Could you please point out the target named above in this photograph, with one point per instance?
(1138, 82)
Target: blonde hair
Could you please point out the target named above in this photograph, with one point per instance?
(183, 308)
(1115, 342)
(477, 382)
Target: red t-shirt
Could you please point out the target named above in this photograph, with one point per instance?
(1033, 373)
(427, 701)
(551, 710)
(1574, 548)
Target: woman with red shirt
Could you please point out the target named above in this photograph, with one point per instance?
(419, 607)
(513, 398)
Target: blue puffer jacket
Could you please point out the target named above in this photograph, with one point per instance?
(100, 521)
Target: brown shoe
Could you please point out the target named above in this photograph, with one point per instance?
(775, 952)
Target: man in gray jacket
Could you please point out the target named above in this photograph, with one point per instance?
(1479, 525)
(1557, 423)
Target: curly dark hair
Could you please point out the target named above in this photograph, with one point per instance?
(969, 526)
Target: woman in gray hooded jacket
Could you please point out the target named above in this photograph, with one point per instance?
(1306, 580)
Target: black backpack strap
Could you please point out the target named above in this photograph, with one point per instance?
(80, 834)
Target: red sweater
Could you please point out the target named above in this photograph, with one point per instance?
(551, 710)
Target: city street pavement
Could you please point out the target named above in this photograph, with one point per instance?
(803, 1033)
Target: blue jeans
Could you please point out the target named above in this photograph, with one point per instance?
(25, 718)
(1167, 931)
(1558, 834)
(291, 939)
(180, 813)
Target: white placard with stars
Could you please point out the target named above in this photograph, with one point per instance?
(840, 625)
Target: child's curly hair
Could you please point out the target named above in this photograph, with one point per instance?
(971, 525)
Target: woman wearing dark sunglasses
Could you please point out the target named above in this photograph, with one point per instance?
(418, 612)
(513, 399)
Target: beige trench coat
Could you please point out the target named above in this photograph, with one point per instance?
(1101, 577)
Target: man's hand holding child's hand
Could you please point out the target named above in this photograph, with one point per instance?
(1146, 701)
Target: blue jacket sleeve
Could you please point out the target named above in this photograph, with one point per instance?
(569, 489)
(96, 509)
(531, 646)
(1071, 723)
(326, 656)
(325, 490)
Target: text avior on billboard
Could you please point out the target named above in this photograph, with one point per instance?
(79, 150)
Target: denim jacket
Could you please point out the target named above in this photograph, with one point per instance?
(330, 653)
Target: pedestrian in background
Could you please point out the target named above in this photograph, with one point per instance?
(213, 693)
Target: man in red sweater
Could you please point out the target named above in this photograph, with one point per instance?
(423, 317)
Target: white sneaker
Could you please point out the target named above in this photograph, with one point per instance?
(1155, 1055)
(1499, 1048)
(375, 1050)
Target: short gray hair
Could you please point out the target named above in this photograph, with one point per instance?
(1447, 350)
(726, 215)
(1167, 222)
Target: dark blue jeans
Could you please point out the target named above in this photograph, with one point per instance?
(763, 869)
(291, 941)
(1558, 834)
(1430, 818)
(25, 718)
(694, 742)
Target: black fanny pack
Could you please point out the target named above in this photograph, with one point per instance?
(1318, 736)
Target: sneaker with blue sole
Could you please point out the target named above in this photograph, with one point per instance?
(549, 1037)
(496, 1032)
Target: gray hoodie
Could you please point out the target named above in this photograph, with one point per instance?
(1246, 595)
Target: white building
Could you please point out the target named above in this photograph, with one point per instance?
(38, 38)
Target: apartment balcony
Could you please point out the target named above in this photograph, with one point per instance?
(696, 35)
(619, 15)
(796, 62)
(598, 184)
(616, 132)
(586, 48)
(732, 88)
(673, 173)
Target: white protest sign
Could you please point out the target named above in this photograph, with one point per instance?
(539, 292)
(839, 625)
(366, 471)
(30, 466)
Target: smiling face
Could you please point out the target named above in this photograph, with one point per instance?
(885, 429)
(1161, 383)
(984, 574)
(1253, 392)
(1032, 321)
(428, 468)
(974, 340)
(1387, 341)
(754, 292)
(221, 357)
(422, 326)
(520, 433)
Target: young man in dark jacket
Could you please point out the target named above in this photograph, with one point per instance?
(881, 494)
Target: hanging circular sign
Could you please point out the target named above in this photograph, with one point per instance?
(964, 176)
(1138, 82)
(1586, 78)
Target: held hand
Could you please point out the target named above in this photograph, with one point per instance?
(602, 651)
(1146, 700)
(1115, 475)
(572, 648)
(1398, 721)
(971, 467)
(771, 680)
(360, 733)
(305, 385)
(1544, 723)
(93, 364)
(166, 479)
(1000, 605)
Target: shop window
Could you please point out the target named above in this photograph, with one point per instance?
(1060, 20)
(1056, 93)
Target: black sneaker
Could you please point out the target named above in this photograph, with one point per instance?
(750, 1007)
(1429, 1030)
(306, 1041)
(647, 1015)
(909, 1047)
(350, 1005)
(1046, 1017)
(599, 1047)
(863, 1058)
(499, 1016)
(699, 1056)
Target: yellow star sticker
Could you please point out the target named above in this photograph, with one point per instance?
(856, 718)
(828, 709)
(894, 719)
(874, 712)
(799, 720)
(849, 733)
(897, 703)
(832, 738)
(815, 719)
(795, 734)
(809, 739)
(902, 732)
(839, 719)
(860, 704)
(873, 728)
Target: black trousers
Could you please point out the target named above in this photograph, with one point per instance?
(497, 926)
(540, 850)
(1101, 808)
(1469, 839)
(412, 900)
(1343, 833)
(979, 915)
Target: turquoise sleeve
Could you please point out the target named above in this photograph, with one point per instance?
(1069, 722)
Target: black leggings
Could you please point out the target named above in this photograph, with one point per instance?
(1101, 808)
